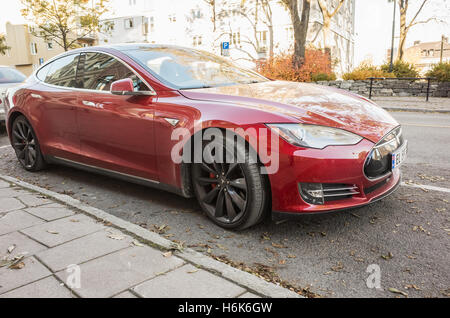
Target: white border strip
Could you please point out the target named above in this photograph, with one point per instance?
(426, 187)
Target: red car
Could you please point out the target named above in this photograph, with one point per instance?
(114, 110)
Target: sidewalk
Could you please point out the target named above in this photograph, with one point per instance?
(48, 249)
(419, 104)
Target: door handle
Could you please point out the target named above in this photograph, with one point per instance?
(93, 105)
(87, 103)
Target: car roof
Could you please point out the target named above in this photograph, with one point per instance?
(127, 47)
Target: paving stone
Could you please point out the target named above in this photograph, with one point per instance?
(50, 212)
(249, 295)
(13, 278)
(4, 184)
(82, 250)
(17, 220)
(48, 287)
(23, 245)
(33, 199)
(125, 294)
(188, 282)
(113, 273)
(67, 229)
(10, 193)
(10, 204)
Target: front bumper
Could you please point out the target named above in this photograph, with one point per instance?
(340, 165)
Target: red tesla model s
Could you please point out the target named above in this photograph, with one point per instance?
(115, 110)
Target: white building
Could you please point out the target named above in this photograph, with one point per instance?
(247, 27)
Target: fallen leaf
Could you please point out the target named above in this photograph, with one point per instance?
(117, 237)
(338, 267)
(16, 265)
(11, 248)
(396, 291)
(52, 232)
(388, 256)
(167, 254)
(136, 243)
(412, 286)
(193, 271)
(278, 245)
(291, 256)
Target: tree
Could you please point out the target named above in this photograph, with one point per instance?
(3, 46)
(212, 4)
(405, 26)
(64, 21)
(327, 17)
(300, 25)
(268, 21)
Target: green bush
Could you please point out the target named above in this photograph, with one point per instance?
(440, 71)
(364, 71)
(317, 77)
(401, 69)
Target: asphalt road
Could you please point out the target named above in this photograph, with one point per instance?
(406, 234)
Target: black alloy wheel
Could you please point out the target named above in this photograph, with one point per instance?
(26, 145)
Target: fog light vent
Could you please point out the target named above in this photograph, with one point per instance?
(318, 194)
(312, 193)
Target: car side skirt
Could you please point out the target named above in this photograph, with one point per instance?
(117, 175)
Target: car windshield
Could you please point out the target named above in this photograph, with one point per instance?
(189, 69)
(10, 75)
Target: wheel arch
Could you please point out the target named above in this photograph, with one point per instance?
(185, 169)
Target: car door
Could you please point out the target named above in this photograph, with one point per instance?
(52, 104)
(116, 132)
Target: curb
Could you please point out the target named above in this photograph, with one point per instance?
(419, 110)
(252, 283)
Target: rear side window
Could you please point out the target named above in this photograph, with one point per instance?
(62, 72)
(101, 70)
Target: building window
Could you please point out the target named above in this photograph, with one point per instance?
(129, 23)
(33, 48)
(236, 38)
(152, 24)
(197, 40)
(50, 45)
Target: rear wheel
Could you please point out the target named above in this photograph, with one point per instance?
(26, 145)
(233, 195)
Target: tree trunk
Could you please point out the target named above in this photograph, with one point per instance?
(403, 29)
(271, 39)
(326, 31)
(300, 26)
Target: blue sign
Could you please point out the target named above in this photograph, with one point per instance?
(41, 61)
(225, 45)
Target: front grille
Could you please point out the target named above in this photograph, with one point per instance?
(379, 161)
(335, 191)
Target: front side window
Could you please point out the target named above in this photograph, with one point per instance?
(101, 70)
(188, 69)
(61, 72)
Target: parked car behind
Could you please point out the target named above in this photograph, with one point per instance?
(9, 77)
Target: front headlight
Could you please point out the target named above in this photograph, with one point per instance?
(312, 136)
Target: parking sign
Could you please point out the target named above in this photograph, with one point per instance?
(225, 48)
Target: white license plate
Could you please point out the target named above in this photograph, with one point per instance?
(399, 156)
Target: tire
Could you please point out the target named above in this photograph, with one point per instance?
(26, 145)
(221, 188)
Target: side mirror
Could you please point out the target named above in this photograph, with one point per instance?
(126, 87)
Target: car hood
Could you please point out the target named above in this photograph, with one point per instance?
(307, 103)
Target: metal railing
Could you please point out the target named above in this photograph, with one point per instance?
(428, 79)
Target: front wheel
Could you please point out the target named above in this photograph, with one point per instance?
(26, 145)
(233, 195)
